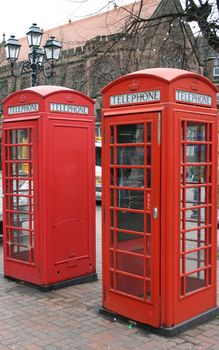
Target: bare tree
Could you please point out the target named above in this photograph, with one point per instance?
(202, 13)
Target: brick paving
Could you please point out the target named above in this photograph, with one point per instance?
(68, 319)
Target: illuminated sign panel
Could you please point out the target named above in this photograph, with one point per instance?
(33, 107)
(192, 97)
(68, 108)
(136, 97)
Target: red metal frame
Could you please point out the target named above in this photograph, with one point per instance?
(185, 236)
(54, 183)
(131, 274)
(20, 216)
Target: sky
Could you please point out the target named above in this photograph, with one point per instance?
(17, 16)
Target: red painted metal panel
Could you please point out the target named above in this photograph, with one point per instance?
(20, 171)
(186, 244)
(49, 185)
(131, 237)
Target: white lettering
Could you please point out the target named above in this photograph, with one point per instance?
(138, 97)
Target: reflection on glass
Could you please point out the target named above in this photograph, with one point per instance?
(148, 245)
(111, 259)
(111, 155)
(130, 199)
(130, 221)
(130, 177)
(111, 134)
(20, 237)
(130, 133)
(111, 198)
(195, 196)
(19, 136)
(196, 153)
(148, 223)
(111, 238)
(195, 281)
(111, 280)
(148, 290)
(195, 260)
(19, 152)
(195, 217)
(130, 242)
(20, 252)
(21, 203)
(148, 155)
(111, 218)
(196, 174)
(148, 268)
(111, 176)
(148, 132)
(130, 155)
(130, 285)
(193, 240)
(130, 263)
(21, 169)
(196, 131)
(148, 178)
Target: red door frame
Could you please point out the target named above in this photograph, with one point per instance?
(205, 297)
(127, 305)
(18, 269)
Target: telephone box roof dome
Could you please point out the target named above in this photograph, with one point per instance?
(47, 89)
(166, 74)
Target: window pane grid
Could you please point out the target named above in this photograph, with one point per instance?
(19, 195)
(130, 169)
(195, 204)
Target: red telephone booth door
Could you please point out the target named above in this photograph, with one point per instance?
(20, 200)
(131, 240)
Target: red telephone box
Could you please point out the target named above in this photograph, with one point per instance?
(49, 187)
(159, 198)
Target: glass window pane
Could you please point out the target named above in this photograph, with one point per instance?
(195, 281)
(196, 153)
(148, 223)
(195, 196)
(130, 242)
(148, 155)
(130, 177)
(130, 285)
(130, 133)
(130, 155)
(195, 217)
(196, 131)
(148, 132)
(130, 199)
(111, 134)
(195, 260)
(20, 252)
(130, 263)
(196, 174)
(194, 239)
(20, 136)
(130, 221)
(148, 179)
(111, 156)
(98, 155)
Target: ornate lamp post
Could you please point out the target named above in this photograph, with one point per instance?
(35, 62)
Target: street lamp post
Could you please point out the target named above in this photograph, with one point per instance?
(35, 62)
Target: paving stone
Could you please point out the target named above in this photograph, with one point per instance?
(69, 319)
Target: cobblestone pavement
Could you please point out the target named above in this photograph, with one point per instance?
(68, 318)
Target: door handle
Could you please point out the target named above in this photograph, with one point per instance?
(155, 213)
